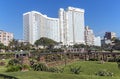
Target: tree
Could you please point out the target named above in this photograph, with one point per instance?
(2, 46)
(45, 42)
(25, 46)
(116, 45)
(13, 45)
(79, 46)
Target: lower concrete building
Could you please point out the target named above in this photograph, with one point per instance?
(5, 37)
(89, 36)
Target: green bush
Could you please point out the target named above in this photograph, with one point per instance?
(53, 69)
(13, 62)
(39, 67)
(111, 60)
(14, 68)
(25, 67)
(118, 61)
(93, 59)
(104, 73)
(2, 63)
(61, 70)
(56, 69)
(75, 69)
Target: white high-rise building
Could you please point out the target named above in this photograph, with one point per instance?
(71, 26)
(67, 29)
(37, 25)
(97, 41)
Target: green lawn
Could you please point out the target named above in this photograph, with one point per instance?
(88, 72)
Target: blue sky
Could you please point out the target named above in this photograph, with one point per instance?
(100, 15)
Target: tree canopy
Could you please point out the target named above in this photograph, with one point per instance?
(46, 42)
(15, 45)
(2, 46)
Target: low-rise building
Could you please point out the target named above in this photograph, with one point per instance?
(5, 37)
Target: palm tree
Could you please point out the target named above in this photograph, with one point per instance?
(14, 45)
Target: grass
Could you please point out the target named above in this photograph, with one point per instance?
(88, 69)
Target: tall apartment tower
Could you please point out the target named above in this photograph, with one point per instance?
(71, 26)
(67, 29)
(37, 25)
(5, 37)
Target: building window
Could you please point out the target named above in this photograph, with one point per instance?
(4, 39)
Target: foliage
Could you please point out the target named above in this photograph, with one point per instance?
(116, 45)
(75, 69)
(13, 62)
(53, 69)
(57, 50)
(14, 68)
(112, 59)
(2, 46)
(2, 63)
(2, 76)
(118, 62)
(93, 59)
(40, 67)
(45, 42)
(14, 45)
(25, 67)
(104, 73)
(88, 72)
(79, 46)
(56, 69)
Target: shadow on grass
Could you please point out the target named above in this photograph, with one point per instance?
(7, 77)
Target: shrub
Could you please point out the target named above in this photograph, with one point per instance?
(61, 70)
(75, 69)
(93, 59)
(25, 67)
(55, 69)
(40, 67)
(2, 63)
(14, 68)
(118, 62)
(104, 73)
(111, 60)
(13, 62)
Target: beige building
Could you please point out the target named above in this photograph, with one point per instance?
(5, 37)
(89, 36)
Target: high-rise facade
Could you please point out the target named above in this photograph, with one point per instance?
(5, 37)
(71, 26)
(97, 41)
(67, 29)
(89, 36)
(37, 25)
